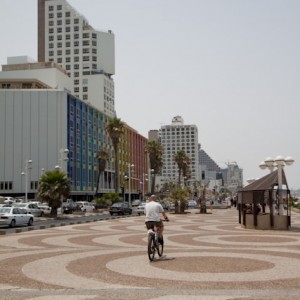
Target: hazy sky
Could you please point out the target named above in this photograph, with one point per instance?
(231, 67)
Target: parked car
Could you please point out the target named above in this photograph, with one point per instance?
(141, 209)
(45, 208)
(14, 216)
(120, 208)
(30, 208)
(85, 206)
(68, 206)
(136, 202)
(192, 204)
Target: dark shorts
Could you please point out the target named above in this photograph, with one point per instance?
(151, 224)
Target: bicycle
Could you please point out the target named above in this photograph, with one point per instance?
(155, 242)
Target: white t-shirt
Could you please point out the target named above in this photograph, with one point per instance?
(152, 211)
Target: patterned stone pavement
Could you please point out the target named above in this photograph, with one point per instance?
(207, 257)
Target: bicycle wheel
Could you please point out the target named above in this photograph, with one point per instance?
(151, 247)
(160, 246)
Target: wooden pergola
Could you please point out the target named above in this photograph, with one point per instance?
(258, 204)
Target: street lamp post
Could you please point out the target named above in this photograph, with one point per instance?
(279, 162)
(145, 178)
(28, 165)
(130, 166)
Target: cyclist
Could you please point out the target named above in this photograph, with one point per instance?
(153, 209)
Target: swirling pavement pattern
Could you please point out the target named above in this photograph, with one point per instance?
(207, 257)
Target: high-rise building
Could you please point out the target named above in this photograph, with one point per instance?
(88, 55)
(175, 137)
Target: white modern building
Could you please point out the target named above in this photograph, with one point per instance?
(175, 137)
(43, 127)
(88, 55)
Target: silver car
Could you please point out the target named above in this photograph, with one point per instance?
(15, 216)
(30, 208)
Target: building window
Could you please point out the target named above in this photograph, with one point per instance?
(51, 45)
(59, 14)
(59, 30)
(68, 21)
(76, 43)
(68, 29)
(94, 43)
(51, 23)
(94, 58)
(94, 51)
(68, 44)
(68, 59)
(51, 53)
(51, 16)
(50, 7)
(76, 58)
(68, 36)
(76, 36)
(85, 97)
(76, 51)
(68, 14)
(85, 89)
(68, 52)
(76, 21)
(76, 82)
(86, 43)
(76, 74)
(59, 60)
(86, 58)
(59, 22)
(94, 35)
(59, 45)
(51, 30)
(86, 50)
(76, 28)
(76, 90)
(76, 66)
(59, 37)
(86, 35)
(51, 38)
(59, 7)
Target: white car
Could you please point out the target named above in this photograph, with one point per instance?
(30, 208)
(85, 206)
(45, 208)
(15, 216)
(140, 210)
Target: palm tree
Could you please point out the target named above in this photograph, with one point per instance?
(155, 152)
(115, 130)
(53, 185)
(183, 162)
(102, 157)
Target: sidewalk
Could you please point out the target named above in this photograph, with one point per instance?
(206, 257)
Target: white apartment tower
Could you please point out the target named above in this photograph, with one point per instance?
(88, 55)
(175, 137)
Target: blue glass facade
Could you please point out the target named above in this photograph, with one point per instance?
(86, 136)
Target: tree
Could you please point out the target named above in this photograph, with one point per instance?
(115, 130)
(155, 152)
(180, 196)
(183, 162)
(53, 185)
(102, 157)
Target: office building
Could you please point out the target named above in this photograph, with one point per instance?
(88, 55)
(178, 136)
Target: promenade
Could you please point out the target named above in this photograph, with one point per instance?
(207, 257)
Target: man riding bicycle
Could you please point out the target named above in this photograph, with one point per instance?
(153, 209)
